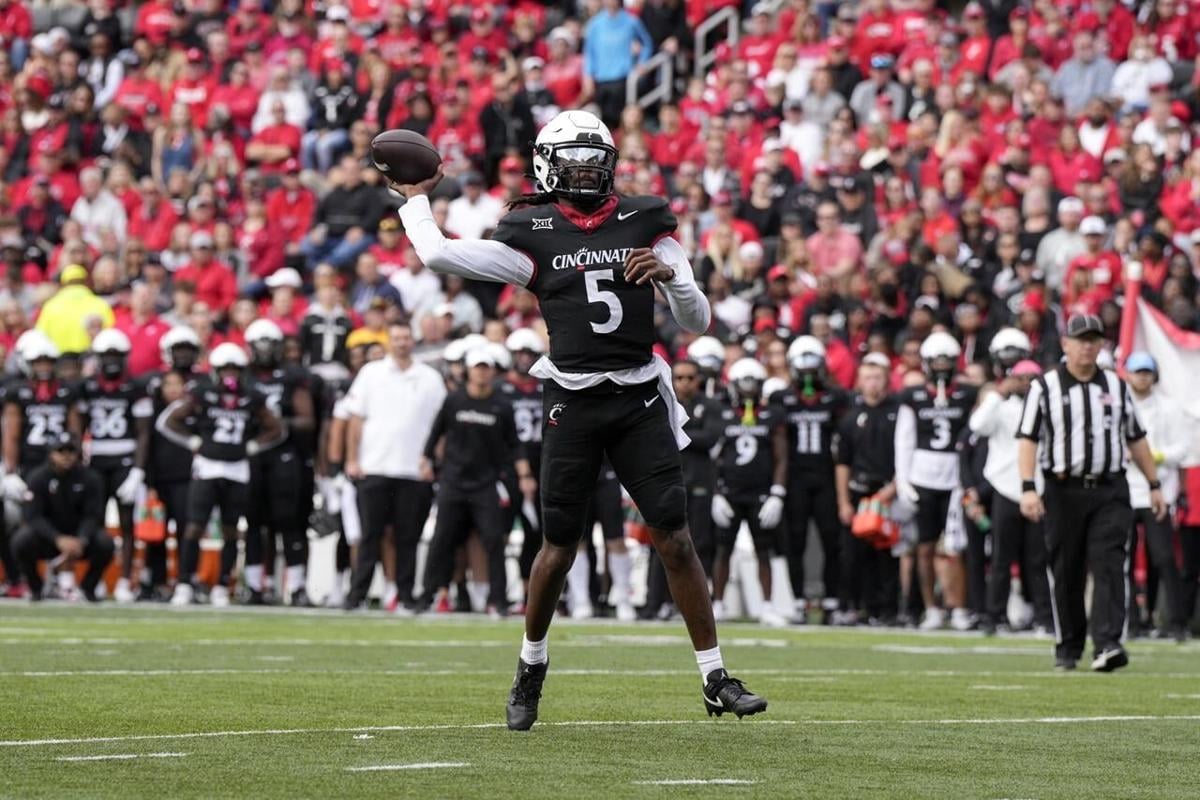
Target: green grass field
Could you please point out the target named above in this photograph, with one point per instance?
(279, 704)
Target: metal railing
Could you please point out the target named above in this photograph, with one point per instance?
(727, 16)
(662, 66)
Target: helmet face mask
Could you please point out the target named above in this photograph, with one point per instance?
(940, 369)
(523, 361)
(580, 170)
(112, 364)
(42, 368)
(266, 353)
(748, 389)
(183, 357)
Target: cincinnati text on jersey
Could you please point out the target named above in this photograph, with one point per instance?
(583, 257)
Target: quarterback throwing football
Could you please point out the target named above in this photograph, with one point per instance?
(593, 260)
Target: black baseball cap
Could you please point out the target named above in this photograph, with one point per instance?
(65, 441)
(1081, 326)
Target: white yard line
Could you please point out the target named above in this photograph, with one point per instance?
(992, 687)
(945, 650)
(121, 757)
(697, 782)
(397, 767)
(600, 723)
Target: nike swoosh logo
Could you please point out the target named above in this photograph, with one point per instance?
(625, 216)
(713, 703)
(650, 402)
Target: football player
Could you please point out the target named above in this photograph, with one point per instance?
(36, 410)
(751, 479)
(594, 261)
(276, 480)
(525, 394)
(118, 412)
(928, 424)
(170, 465)
(231, 423)
(811, 410)
(709, 355)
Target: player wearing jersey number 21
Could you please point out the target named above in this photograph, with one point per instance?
(594, 260)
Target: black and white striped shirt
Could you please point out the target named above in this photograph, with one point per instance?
(1083, 427)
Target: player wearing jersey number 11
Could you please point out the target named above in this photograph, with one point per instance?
(594, 261)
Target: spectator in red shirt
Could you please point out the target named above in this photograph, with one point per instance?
(833, 250)
(247, 25)
(290, 206)
(758, 47)
(390, 246)
(155, 20)
(276, 143)
(138, 91)
(1092, 276)
(875, 32)
(144, 329)
(1008, 48)
(286, 307)
(976, 45)
(1069, 162)
(216, 285)
(238, 97)
(154, 218)
(564, 69)
(483, 33)
(258, 240)
(16, 26)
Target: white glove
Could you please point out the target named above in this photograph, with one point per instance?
(771, 512)
(15, 488)
(722, 512)
(194, 443)
(127, 492)
(908, 493)
(253, 448)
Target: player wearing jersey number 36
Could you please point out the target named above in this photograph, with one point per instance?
(594, 261)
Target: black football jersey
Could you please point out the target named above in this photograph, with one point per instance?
(226, 421)
(527, 414)
(597, 322)
(747, 463)
(938, 426)
(167, 461)
(111, 411)
(44, 411)
(811, 428)
(278, 388)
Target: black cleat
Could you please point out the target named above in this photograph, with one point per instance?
(723, 693)
(300, 599)
(526, 691)
(1064, 664)
(1112, 658)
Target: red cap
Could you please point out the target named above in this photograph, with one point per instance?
(195, 55)
(512, 164)
(291, 166)
(678, 206)
(1087, 22)
(837, 42)
(763, 324)
(1181, 112)
(1034, 301)
(897, 142)
(821, 168)
(40, 85)
(481, 14)
(1020, 12)
(973, 11)
(722, 198)
(778, 271)
(724, 53)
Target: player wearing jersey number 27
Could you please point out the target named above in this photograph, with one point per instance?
(594, 260)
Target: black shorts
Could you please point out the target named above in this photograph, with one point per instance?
(205, 495)
(277, 489)
(631, 426)
(746, 507)
(932, 508)
(112, 473)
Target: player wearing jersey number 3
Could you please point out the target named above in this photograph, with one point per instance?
(594, 260)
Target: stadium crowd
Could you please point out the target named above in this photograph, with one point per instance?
(877, 196)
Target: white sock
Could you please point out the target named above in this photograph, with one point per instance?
(621, 565)
(254, 576)
(708, 660)
(577, 582)
(478, 593)
(534, 652)
(295, 578)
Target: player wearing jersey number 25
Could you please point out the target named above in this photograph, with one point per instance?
(594, 260)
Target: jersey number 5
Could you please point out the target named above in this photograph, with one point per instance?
(597, 295)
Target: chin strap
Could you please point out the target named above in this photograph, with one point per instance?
(940, 399)
(749, 417)
(810, 390)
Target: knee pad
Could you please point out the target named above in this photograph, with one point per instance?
(667, 511)
(563, 523)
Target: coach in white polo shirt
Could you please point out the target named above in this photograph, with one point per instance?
(392, 405)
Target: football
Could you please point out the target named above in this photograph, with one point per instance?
(404, 156)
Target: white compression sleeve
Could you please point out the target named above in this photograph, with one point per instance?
(688, 303)
(481, 259)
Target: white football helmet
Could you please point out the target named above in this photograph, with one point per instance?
(111, 340)
(501, 355)
(263, 330)
(34, 344)
(574, 155)
(746, 377)
(940, 352)
(1007, 347)
(179, 336)
(805, 354)
(708, 353)
(525, 339)
(227, 355)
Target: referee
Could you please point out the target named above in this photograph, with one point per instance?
(1084, 420)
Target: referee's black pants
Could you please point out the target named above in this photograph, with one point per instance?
(1160, 552)
(1087, 529)
(402, 503)
(1016, 540)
